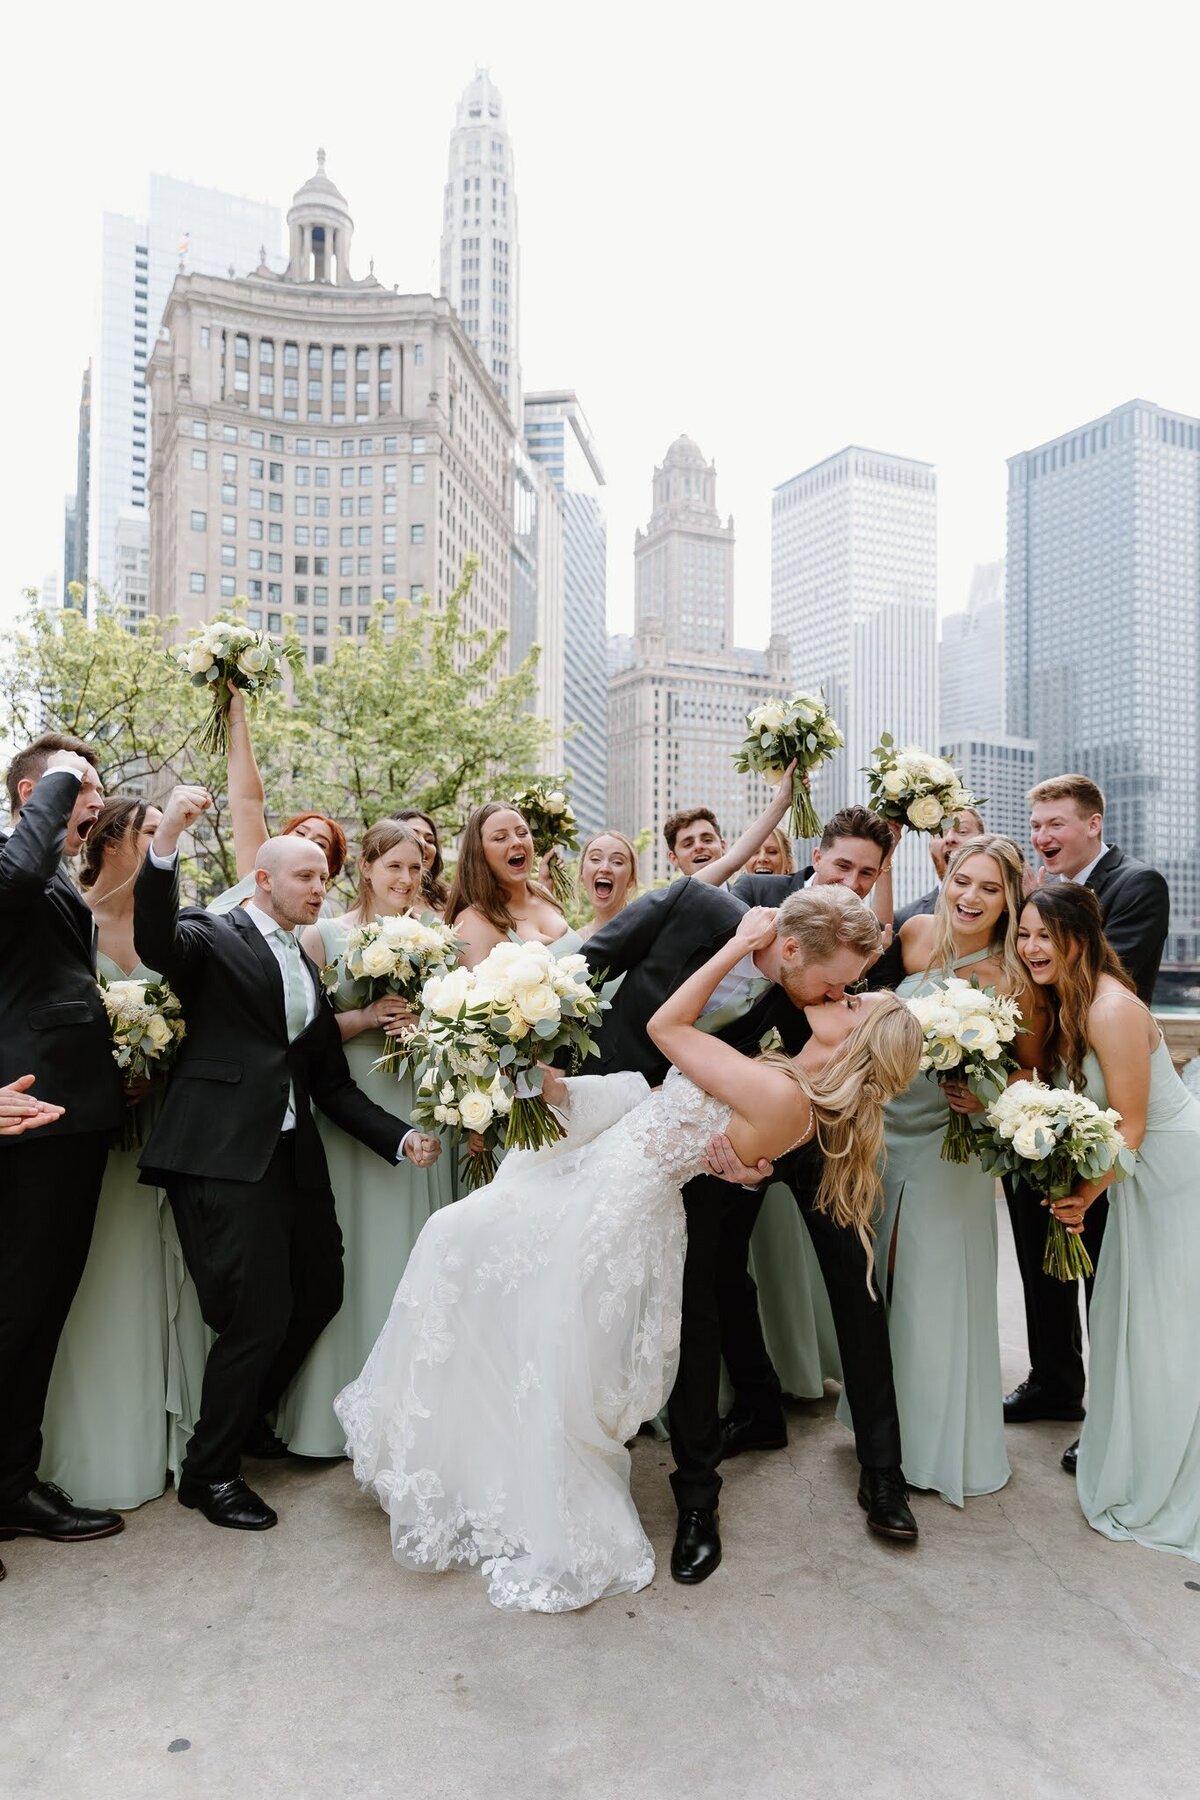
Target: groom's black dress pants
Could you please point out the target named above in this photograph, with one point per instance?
(1052, 1306)
(266, 1257)
(720, 1319)
(48, 1193)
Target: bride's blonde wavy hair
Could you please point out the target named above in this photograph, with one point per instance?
(878, 1060)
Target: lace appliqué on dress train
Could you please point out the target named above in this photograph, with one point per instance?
(537, 1325)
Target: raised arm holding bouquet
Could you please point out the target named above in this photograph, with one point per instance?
(797, 734)
(227, 653)
(551, 819)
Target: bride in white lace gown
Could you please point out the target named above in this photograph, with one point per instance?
(537, 1323)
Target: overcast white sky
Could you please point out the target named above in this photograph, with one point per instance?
(948, 231)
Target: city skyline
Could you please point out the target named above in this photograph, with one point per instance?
(634, 300)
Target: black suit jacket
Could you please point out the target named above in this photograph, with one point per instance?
(916, 909)
(656, 944)
(228, 1091)
(1135, 904)
(52, 1020)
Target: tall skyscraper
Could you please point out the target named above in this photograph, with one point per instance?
(203, 230)
(677, 710)
(75, 507)
(557, 436)
(854, 593)
(1103, 631)
(537, 590)
(322, 442)
(480, 249)
(971, 659)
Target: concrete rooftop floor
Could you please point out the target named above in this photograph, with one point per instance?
(1013, 1653)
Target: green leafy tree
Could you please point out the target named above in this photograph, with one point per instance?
(412, 714)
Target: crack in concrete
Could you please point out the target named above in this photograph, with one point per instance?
(1124, 1625)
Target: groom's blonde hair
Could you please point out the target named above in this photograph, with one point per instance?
(825, 919)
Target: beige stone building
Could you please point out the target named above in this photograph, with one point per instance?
(321, 442)
(677, 703)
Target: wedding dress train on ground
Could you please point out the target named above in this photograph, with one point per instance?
(535, 1328)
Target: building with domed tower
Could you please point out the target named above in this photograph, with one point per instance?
(321, 441)
(677, 708)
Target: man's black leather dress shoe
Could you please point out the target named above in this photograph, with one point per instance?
(46, 1512)
(883, 1496)
(229, 1503)
(752, 1431)
(262, 1443)
(697, 1548)
(1070, 1457)
(1028, 1401)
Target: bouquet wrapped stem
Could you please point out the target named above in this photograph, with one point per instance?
(1066, 1256)
(958, 1145)
(478, 1165)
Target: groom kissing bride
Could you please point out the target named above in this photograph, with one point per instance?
(541, 1321)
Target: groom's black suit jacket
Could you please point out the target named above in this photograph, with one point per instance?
(656, 944)
(228, 1092)
(1135, 905)
(52, 1021)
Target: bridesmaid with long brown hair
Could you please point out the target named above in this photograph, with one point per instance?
(496, 894)
(126, 1384)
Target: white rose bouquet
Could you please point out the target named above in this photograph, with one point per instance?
(226, 654)
(917, 789)
(966, 1028)
(145, 1018)
(1054, 1138)
(483, 1033)
(551, 820)
(396, 955)
(801, 730)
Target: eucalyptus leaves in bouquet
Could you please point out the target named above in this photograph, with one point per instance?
(227, 653)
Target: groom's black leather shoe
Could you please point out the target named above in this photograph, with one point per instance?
(752, 1431)
(883, 1496)
(46, 1512)
(1070, 1457)
(697, 1548)
(230, 1503)
(1029, 1401)
(262, 1443)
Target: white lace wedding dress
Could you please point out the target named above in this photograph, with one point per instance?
(536, 1327)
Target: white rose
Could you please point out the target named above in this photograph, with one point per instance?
(772, 715)
(1025, 1142)
(925, 813)
(476, 1110)
(892, 783)
(199, 658)
(448, 994)
(556, 802)
(377, 957)
(253, 659)
(537, 1003)
(158, 1031)
(806, 711)
(500, 1096)
(530, 968)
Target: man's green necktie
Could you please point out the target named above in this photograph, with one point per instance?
(725, 1015)
(295, 999)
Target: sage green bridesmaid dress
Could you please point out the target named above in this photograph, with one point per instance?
(126, 1384)
(793, 1305)
(941, 1302)
(1138, 1475)
(381, 1211)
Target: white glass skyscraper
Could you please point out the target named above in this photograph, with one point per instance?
(557, 435)
(480, 251)
(1103, 631)
(854, 592)
(971, 659)
(206, 232)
